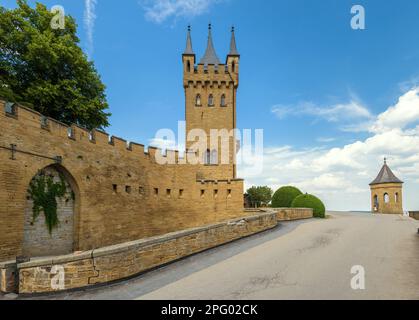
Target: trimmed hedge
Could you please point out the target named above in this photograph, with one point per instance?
(310, 201)
(284, 197)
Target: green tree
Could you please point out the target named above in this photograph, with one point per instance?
(46, 70)
(284, 196)
(260, 196)
(310, 201)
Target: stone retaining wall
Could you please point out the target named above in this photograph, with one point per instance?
(288, 214)
(414, 214)
(123, 261)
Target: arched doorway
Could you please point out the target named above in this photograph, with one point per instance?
(50, 213)
(376, 203)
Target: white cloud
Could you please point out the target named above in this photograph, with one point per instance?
(405, 112)
(325, 139)
(338, 113)
(159, 11)
(89, 23)
(341, 175)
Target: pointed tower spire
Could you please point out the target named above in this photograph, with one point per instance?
(233, 47)
(188, 49)
(210, 57)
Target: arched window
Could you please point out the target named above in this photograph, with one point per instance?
(376, 205)
(214, 157)
(198, 101)
(211, 100)
(396, 197)
(188, 66)
(234, 66)
(223, 101)
(207, 157)
(386, 198)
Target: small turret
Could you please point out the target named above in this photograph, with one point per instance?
(387, 192)
(233, 46)
(188, 56)
(233, 58)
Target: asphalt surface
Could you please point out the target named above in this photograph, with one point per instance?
(309, 259)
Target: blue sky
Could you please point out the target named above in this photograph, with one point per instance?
(318, 88)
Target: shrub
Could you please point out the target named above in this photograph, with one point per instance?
(284, 197)
(310, 201)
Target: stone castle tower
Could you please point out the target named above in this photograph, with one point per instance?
(387, 192)
(210, 101)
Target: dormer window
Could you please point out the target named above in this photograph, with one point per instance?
(211, 100)
(223, 101)
(198, 101)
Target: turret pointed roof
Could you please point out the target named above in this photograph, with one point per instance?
(386, 176)
(233, 47)
(188, 49)
(210, 57)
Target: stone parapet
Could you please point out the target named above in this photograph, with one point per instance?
(122, 261)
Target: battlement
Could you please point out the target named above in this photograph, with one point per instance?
(31, 118)
(210, 75)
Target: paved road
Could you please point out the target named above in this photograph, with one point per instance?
(299, 260)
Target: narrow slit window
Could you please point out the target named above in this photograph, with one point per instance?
(211, 100)
(44, 122)
(70, 132)
(198, 101)
(214, 157)
(223, 101)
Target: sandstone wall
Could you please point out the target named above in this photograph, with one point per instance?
(414, 214)
(288, 214)
(215, 82)
(122, 261)
(395, 194)
(121, 193)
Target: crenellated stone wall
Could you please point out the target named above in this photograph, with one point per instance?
(120, 192)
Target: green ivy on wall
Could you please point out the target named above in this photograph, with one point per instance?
(44, 193)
